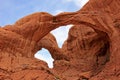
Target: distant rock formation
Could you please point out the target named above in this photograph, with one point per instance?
(91, 52)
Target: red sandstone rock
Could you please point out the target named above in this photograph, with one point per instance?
(104, 19)
(87, 52)
(19, 43)
(92, 50)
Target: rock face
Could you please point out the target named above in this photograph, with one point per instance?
(88, 53)
(19, 43)
(91, 52)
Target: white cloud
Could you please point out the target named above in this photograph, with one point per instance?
(57, 12)
(68, 0)
(79, 3)
(61, 34)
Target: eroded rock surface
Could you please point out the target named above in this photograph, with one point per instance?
(91, 52)
(19, 43)
(88, 53)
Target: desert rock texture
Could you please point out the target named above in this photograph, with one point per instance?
(91, 51)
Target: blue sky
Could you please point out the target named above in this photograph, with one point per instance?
(12, 10)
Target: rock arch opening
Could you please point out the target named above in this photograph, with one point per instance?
(45, 55)
(48, 52)
(61, 34)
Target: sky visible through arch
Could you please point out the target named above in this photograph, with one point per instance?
(12, 10)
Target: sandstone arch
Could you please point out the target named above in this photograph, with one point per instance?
(105, 23)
